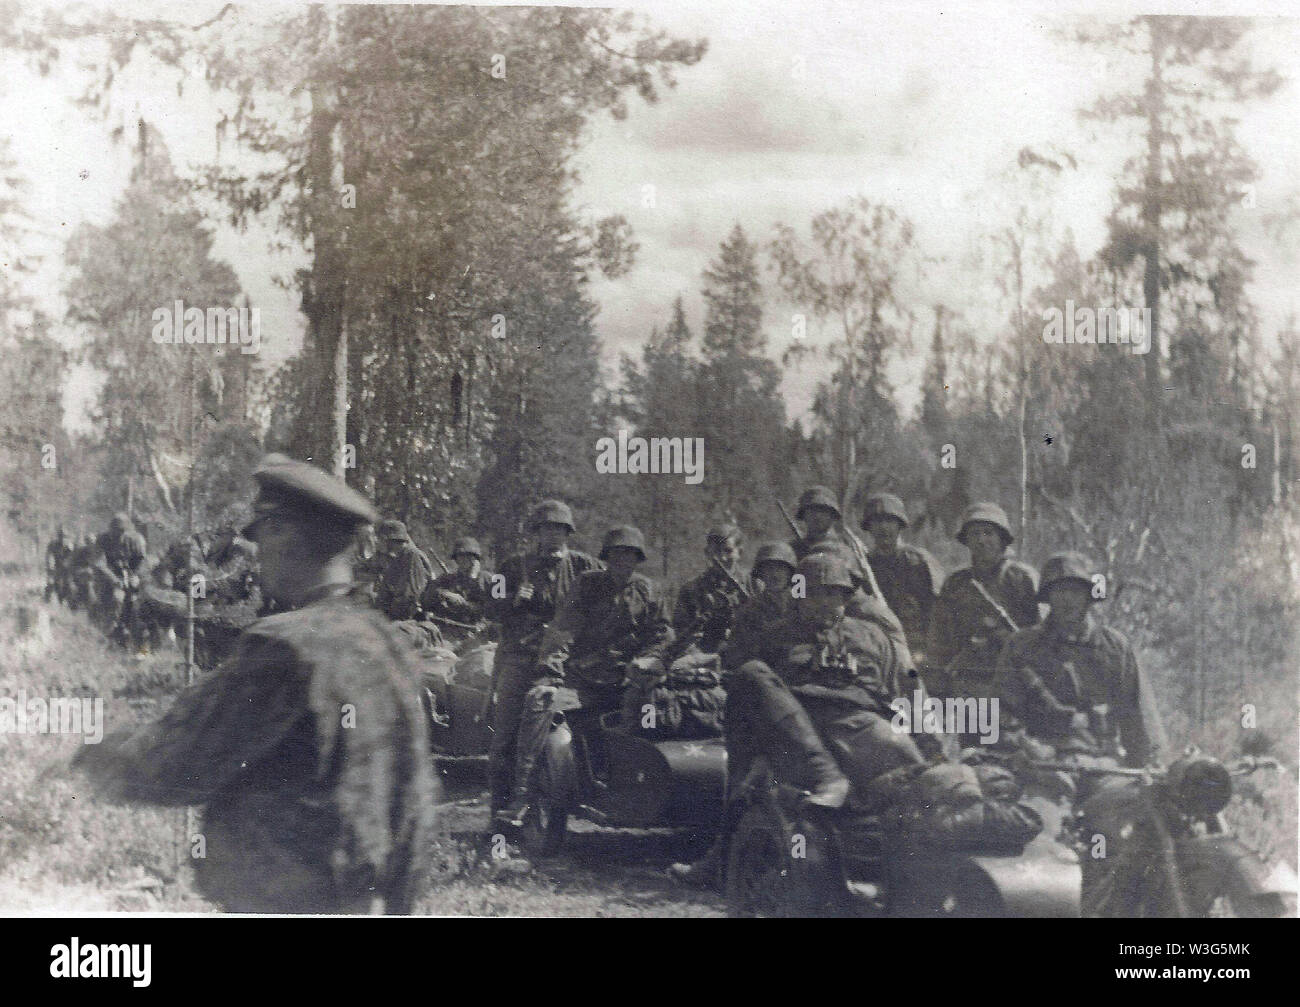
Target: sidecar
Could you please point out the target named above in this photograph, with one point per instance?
(786, 859)
(457, 696)
(593, 769)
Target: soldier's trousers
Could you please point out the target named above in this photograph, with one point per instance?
(798, 730)
(547, 696)
(514, 673)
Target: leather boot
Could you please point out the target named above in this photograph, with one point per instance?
(703, 874)
(814, 767)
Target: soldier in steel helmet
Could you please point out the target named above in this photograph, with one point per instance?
(533, 588)
(821, 680)
(1073, 682)
(909, 577)
(706, 606)
(824, 534)
(979, 607)
(407, 573)
(612, 626)
(1073, 685)
(774, 566)
(308, 749)
(123, 562)
(458, 600)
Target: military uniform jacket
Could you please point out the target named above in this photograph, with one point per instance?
(403, 583)
(966, 631)
(706, 610)
(309, 749)
(124, 553)
(833, 541)
(474, 590)
(601, 627)
(852, 661)
(552, 579)
(909, 578)
(754, 619)
(1046, 676)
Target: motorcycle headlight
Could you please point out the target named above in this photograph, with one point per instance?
(1201, 785)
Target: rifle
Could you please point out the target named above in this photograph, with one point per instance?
(1006, 617)
(789, 520)
(434, 553)
(745, 592)
(860, 553)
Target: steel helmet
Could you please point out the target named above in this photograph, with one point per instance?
(883, 505)
(818, 496)
(624, 536)
(551, 512)
(825, 569)
(775, 552)
(466, 547)
(1065, 566)
(989, 513)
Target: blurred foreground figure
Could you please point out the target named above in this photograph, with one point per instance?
(308, 748)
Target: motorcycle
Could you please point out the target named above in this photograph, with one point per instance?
(1205, 869)
(786, 859)
(592, 768)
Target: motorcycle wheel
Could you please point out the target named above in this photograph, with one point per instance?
(764, 878)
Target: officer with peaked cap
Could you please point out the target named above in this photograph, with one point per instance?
(979, 606)
(308, 749)
(613, 624)
(533, 585)
(909, 577)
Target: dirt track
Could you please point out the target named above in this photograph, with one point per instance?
(604, 872)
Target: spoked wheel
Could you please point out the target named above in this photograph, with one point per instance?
(776, 870)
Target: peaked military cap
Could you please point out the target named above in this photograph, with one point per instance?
(551, 512)
(825, 569)
(625, 536)
(1065, 566)
(989, 513)
(288, 485)
(775, 552)
(817, 496)
(466, 547)
(883, 505)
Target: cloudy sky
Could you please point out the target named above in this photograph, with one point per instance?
(795, 108)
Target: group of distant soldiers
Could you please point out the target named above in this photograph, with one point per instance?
(138, 599)
(797, 658)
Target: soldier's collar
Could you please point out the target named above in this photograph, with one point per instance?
(994, 570)
(1084, 635)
